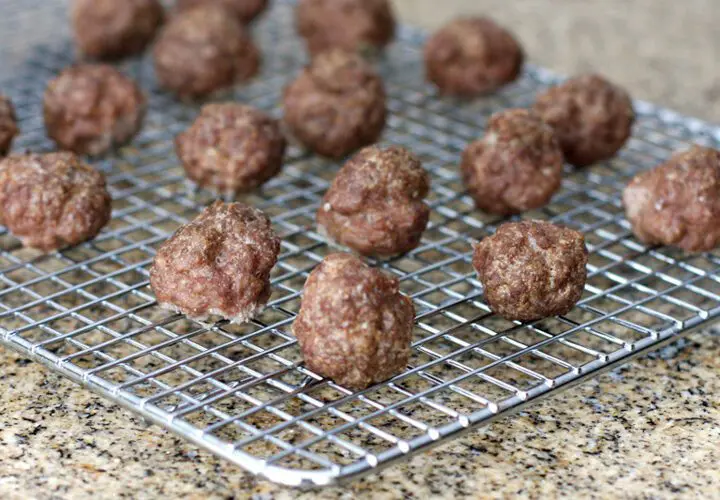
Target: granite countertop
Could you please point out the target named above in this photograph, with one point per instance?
(650, 429)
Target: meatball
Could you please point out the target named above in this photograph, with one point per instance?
(472, 56)
(53, 200)
(8, 125)
(532, 269)
(516, 167)
(112, 29)
(592, 118)
(354, 25)
(231, 147)
(354, 325)
(91, 108)
(217, 264)
(336, 105)
(244, 10)
(678, 202)
(375, 204)
(203, 50)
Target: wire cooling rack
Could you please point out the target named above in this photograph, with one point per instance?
(241, 391)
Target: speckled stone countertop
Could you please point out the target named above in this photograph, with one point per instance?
(650, 429)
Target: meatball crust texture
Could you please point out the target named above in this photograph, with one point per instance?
(336, 105)
(517, 166)
(217, 264)
(532, 269)
(53, 200)
(472, 56)
(375, 204)
(113, 29)
(91, 108)
(231, 148)
(354, 25)
(678, 202)
(8, 125)
(244, 10)
(354, 325)
(592, 118)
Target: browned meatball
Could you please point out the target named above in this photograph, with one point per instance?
(472, 56)
(112, 29)
(516, 167)
(203, 50)
(8, 125)
(375, 204)
(51, 201)
(231, 148)
(244, 10)
(217, 264)
(354, 25)
(532, 269)
(91, 108)
(354, 325)
(336, 105)
(592, 118)
(678, 202)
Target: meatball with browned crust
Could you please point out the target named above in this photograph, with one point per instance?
(336, 105)
(204, 50)
(532, 269)
(354, 325)
(231, 148)
(112, 29)
(8, 125)
(517, 166)
(244, 10)
(472, 56)
(217, 264)
(53, 200)
(375, 204)
(592, 118)
(364, 26)
(678, 202)
(91, 108)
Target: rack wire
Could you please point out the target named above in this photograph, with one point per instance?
(241, 391)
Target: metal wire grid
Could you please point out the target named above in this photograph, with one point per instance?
(241, 391)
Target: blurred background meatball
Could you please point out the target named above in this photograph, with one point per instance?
(8, 125)
(244, 10)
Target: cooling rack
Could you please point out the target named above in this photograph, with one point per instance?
(241, 391)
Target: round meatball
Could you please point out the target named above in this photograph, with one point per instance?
(203, 50)
(217, 264)
(517, 166)
(53, 200)
(112, 29)
(678, 202)
(244, 10)
(472, 56)
(231, 148)
(355, 25)
(354, 325)
(532, 269)
(592, 118)
(8, 125)
(336, 105)
(91, 108)
(375, 204)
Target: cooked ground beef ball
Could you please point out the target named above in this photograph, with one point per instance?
(472, 56)
(203, 50)
(592, 118)
(355, 25)
(516, 167)
(678, 202)
(91, 108)
(231, 148)
(336, 105)
(8, 125)
(53, 200)
(375, 204)
(244, 10)
(113, 29)
(354, 325)
(217, 264)
(532, 269)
